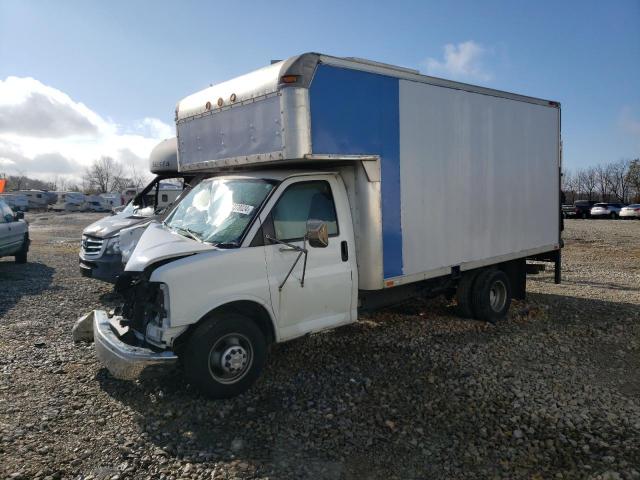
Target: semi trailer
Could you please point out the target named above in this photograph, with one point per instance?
(329, 187)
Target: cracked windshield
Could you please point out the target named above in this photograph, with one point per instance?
(219, 210)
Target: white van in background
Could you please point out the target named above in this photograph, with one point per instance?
(111, 200)
(100, 252)
(37, 199)
(69, 202)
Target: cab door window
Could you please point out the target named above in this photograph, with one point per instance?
(301, 202)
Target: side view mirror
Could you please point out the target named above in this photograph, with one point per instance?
(317, 233)
(19, 215)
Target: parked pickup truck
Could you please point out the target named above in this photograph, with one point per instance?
(14, 234)
(100, 252)
(331, 187)
(580, 209)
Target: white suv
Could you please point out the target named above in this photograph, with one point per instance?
(602, 210)
(14, 234)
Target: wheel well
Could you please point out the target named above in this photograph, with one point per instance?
(252, 310)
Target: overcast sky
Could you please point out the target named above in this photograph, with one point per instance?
(81, 79)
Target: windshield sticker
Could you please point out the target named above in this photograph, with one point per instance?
(241, 208)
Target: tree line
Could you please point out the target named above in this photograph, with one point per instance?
(104, 175)
(610, 182)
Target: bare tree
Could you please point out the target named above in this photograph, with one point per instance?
(569, 186)
(104, 175)
(603, 181)
(20, 179)
(618, 179)
(589, 182)
(61, 184)
(137, 179)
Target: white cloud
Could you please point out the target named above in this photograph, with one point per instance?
(154, 128)
(463, 61)
(44, 132)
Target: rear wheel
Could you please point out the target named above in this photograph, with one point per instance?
(21, 256)
(225, 355)
(491, 296)
(463, 294)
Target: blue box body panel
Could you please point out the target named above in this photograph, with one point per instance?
(357, 113)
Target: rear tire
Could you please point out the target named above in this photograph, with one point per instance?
(225, 355)
(463, 294)
(21, 256)
(491, 296)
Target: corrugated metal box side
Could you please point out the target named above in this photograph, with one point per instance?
(467, 178)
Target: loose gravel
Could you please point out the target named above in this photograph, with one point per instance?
(409, 392)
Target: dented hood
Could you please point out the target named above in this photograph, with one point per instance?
(159, 243)
(111, 225)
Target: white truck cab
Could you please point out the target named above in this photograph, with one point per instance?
(322, 193)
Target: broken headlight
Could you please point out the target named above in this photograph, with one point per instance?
(113, 245)
(160, 317)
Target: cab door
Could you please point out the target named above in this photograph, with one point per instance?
(327, 296)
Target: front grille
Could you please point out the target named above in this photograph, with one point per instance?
(91, 246)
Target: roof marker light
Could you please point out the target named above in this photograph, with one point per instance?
(289, 78)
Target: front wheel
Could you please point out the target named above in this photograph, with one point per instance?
(225, 355)
(491, 296)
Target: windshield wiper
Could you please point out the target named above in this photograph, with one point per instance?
(190, 233)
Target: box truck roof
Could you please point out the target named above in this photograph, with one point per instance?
(280, 112)
(299, 71)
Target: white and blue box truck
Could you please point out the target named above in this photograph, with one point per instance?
(328, 187)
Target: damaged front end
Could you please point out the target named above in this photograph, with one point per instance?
(122, 359)
(145, 310)
(133, 338)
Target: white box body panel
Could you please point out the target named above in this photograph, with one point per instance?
(477, 176)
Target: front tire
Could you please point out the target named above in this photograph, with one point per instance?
(225, 355)
(491, 296)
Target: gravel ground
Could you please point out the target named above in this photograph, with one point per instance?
(410, 392)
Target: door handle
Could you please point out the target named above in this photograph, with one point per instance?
(344, 250)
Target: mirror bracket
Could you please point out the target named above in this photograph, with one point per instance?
(293, 248)
(317, 236)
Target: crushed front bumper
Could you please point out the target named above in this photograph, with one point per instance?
(124, 361)
(105, 268)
